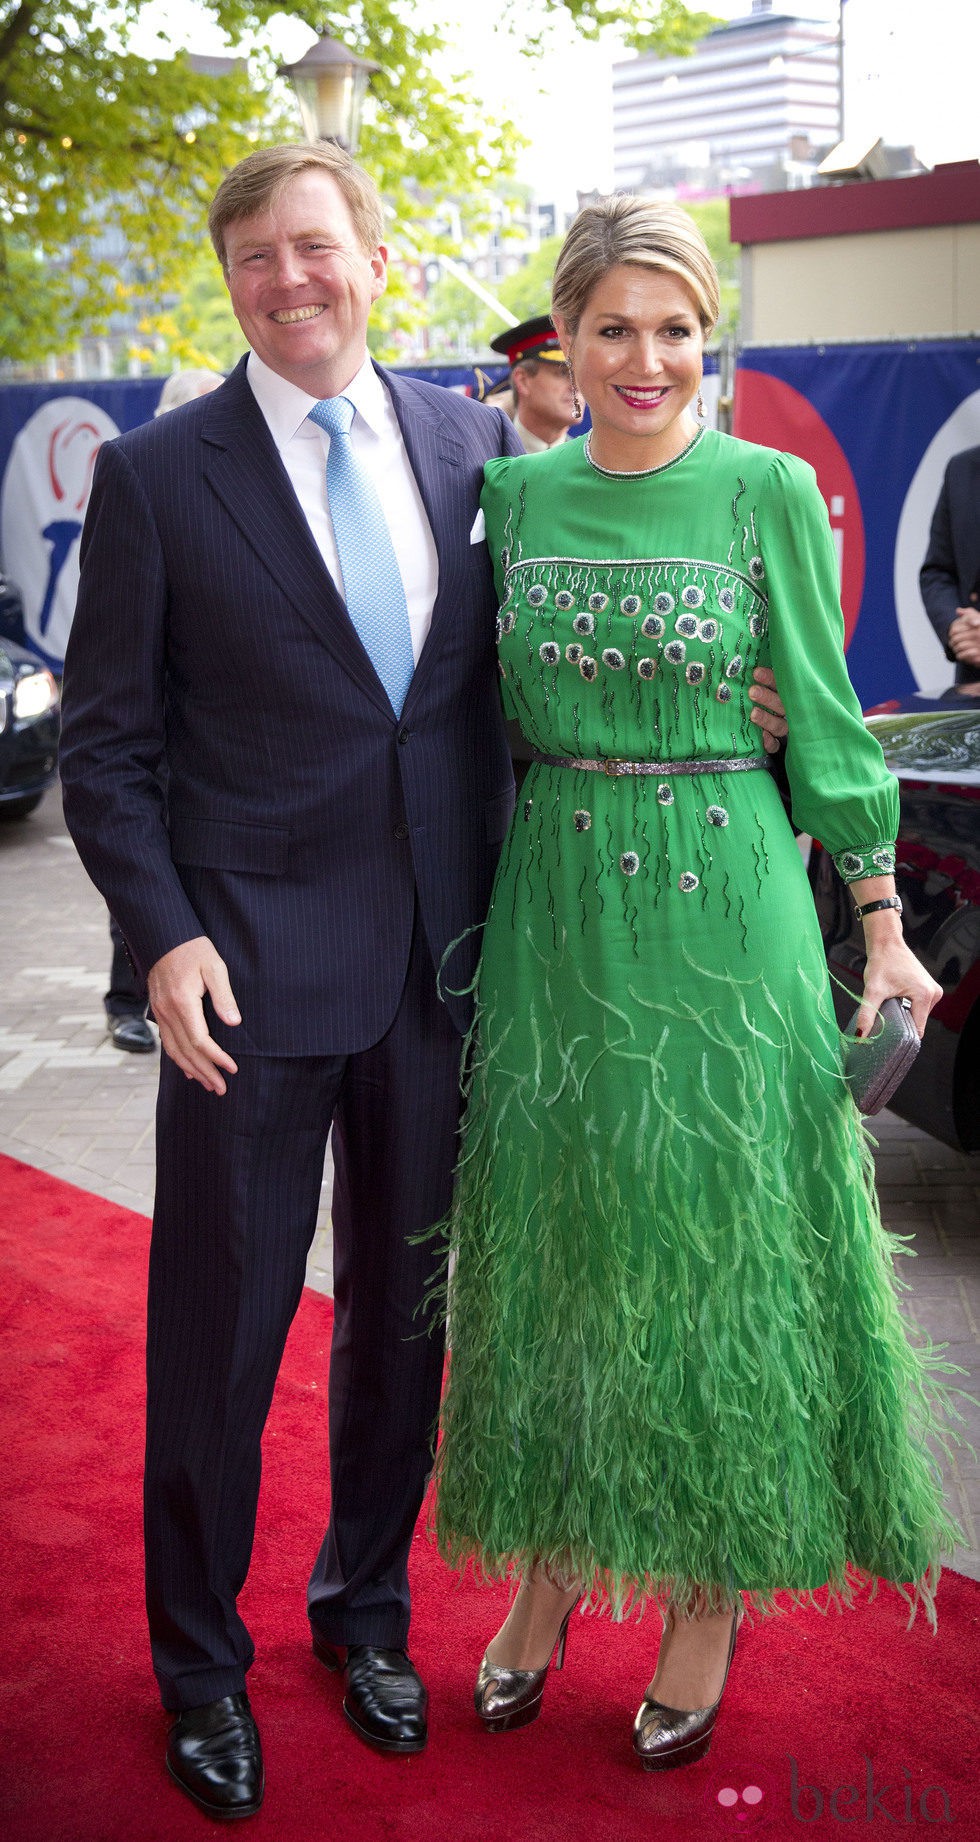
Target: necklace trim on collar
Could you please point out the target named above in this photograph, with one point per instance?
(641, 473)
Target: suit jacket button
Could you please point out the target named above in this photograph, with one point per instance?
(401, 829)
(403, 735)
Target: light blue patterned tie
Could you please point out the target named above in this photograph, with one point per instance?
(373, 586)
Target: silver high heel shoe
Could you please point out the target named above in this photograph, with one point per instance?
(664, 1737)
(512, 1697)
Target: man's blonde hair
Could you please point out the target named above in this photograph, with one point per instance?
(258, 182)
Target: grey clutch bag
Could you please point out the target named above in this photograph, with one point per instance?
(874, 1065)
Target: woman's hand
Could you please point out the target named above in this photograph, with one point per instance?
(892, 971)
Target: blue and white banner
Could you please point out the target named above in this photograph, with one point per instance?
(49, 437)
(879, 424)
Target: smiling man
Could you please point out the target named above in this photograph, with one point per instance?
(284, 766)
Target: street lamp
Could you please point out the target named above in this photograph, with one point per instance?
(331, 84)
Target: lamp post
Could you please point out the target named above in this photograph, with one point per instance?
(331, 84)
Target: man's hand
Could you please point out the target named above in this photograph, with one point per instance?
(177, 984)
(964, 636)
(768, 712)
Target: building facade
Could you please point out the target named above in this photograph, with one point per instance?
(748, 106)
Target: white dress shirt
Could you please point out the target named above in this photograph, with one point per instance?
(377, 442)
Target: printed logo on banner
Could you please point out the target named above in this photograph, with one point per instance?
(45, 493)
(932, 670)
(771, 411)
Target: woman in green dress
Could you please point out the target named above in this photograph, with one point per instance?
(678, 1369)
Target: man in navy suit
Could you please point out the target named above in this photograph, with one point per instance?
(949, 579)
(290, 862)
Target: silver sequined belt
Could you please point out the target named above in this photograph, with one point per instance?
(730, 764)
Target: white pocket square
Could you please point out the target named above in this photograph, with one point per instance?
(478, 535)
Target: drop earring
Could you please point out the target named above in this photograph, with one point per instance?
(576, 399)
(700, 406)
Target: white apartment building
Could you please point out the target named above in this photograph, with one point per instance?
(753, 96)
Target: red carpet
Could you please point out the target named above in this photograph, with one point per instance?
(873, 1716)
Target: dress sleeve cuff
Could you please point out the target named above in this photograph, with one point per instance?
(873, 860)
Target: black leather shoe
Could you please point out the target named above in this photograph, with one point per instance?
(132, 1033)
(386, 1700)
(215, 1755)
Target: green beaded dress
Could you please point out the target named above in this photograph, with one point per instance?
(676, 1354)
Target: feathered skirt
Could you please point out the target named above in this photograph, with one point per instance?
(677, 1361)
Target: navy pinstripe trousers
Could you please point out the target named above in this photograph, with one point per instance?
(235, 1213)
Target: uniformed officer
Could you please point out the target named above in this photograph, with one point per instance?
(544, 400)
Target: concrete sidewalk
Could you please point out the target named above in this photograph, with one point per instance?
(70, 1101)
(74, 1105)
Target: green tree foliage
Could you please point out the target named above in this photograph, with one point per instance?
(670, 29)
(109, 158)
(96, 160)
(711, 217)
(200, 328)
(107, 153)
(460, 319)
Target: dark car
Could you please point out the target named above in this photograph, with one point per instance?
(30, 720)
(934, 749)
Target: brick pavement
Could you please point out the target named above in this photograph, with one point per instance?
(73, 1105)
(70, 1102)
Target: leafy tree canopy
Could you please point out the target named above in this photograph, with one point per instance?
(671, 29)
(711, 217)
(109, 158)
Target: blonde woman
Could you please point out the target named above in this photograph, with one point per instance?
(678, 1367)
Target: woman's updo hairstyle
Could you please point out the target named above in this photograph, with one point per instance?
(632, 230)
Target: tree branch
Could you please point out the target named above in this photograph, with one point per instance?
(18, 23)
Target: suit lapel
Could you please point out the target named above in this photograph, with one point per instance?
(242, 465)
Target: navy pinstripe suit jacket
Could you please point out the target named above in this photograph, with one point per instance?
(231, 764)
